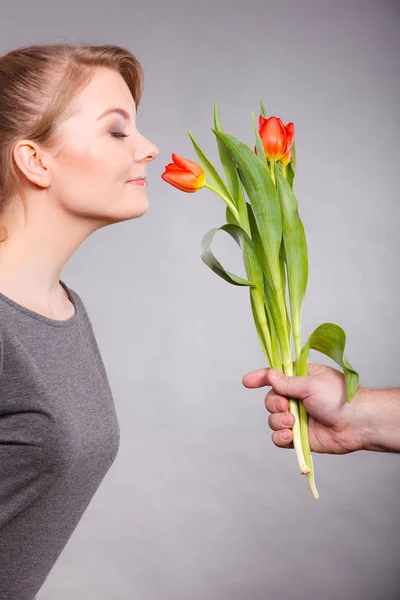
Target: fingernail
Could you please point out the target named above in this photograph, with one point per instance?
(273, 374)
(286, 435)
(286, 420)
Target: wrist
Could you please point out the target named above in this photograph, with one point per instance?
(377, 419)
(363, 418)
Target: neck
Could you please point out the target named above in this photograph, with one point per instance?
(36, 249)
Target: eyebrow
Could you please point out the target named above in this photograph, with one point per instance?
(115, 109)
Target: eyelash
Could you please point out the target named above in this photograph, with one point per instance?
(118, 134)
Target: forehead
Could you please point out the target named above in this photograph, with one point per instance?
(106, 89)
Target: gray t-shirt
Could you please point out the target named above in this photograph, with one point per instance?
(59, 435)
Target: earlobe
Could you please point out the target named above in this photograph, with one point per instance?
(29, 158)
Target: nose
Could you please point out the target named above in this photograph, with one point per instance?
(145, 150)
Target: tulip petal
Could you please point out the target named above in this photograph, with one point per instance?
(187, 165)
(286, 158)
(290, 135)
(261, 121)
(186, 182)
(274, 138)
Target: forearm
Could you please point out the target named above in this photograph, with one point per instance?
(377, 419)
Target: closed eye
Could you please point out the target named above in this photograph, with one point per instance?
(118, 134)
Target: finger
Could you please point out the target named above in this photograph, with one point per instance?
(256, 379)
(281, 421)
(275, 403)
(293, 386)
(261, 377)
(281, 441)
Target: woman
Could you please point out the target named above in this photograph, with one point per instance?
(71, 161)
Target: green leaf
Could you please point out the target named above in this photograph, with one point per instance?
(330, 339)
(259, 330)
(229, 168)
(293, 161)
(282, 261)
(263, 111)
(290, 169)
(261, 314)
(263, 198)
(230, 217)
(269, 347)
(289, 175)
(209, 259)
(295, 246)
(259, 144)
(270, 299)
(212, 176)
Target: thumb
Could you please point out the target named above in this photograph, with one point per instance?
(293, 386)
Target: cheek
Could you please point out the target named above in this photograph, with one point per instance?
(91, 165)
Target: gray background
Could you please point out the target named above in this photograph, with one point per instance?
(199, 503)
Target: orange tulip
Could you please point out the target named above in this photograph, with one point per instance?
(184, 174)
(276, 138)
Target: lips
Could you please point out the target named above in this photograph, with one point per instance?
(139, 182)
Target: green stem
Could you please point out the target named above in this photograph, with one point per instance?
(304, 420)
(287, 364)
(282, 333)
(227, 200)
(272, 170)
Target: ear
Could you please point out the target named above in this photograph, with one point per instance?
(31, 160)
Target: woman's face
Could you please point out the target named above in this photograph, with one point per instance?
(90, 174)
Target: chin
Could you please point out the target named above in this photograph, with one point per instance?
(134, 208)
(126, 208)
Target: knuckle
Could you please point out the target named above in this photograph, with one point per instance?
(275, 422)
(274, 402)
(270, 404)
(277, 440)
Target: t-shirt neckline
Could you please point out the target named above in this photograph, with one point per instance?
(55, 322)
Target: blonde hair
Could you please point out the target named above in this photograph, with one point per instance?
(37, 84)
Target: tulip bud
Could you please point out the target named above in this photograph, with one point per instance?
(184, 174)
(277, 138)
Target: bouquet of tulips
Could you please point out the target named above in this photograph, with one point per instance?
(263, 218)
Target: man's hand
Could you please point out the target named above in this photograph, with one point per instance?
(333, 422)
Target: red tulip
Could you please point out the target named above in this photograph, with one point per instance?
(276, 138)
(184, 174)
